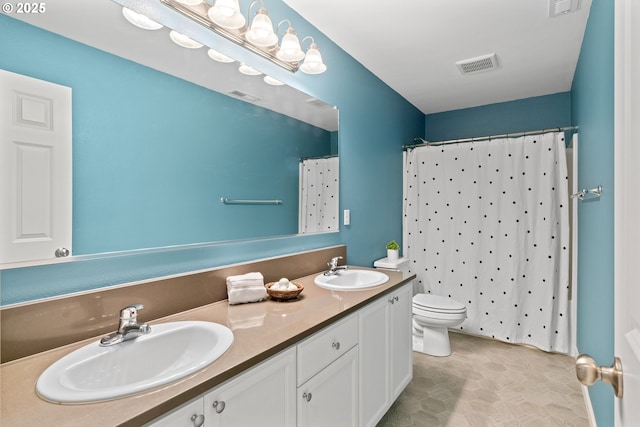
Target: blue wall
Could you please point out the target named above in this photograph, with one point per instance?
(541, 112)
(592, 98)
(374, 123)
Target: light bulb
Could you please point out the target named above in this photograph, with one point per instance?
(140, 20)
(226, 13)
(290, 50)
(184, 41)
(313, 61)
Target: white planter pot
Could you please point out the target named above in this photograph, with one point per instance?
(393, 254)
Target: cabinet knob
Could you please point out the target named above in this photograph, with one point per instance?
(61, 252)
(307, 396)
(218, 406)
(336, 345)
(198, 420)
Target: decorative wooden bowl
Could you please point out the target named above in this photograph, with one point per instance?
(279, 295)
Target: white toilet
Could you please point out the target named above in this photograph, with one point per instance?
(432, 316)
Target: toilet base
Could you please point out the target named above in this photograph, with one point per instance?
(433, 341)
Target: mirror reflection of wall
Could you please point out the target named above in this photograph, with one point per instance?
(153, 154)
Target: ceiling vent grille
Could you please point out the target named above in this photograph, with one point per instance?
(478, 64)
(317, 103)
(243, 95)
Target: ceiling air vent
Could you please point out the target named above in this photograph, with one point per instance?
(317, 103)
(245, 96)
(477, 64)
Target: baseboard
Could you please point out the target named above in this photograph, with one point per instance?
(587, 403)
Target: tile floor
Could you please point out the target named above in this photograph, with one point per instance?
(487, 383)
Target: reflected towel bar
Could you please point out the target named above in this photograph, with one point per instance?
(249, 201)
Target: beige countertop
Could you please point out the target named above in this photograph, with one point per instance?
(260, 331)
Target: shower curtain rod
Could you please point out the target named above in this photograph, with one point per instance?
(424, 142)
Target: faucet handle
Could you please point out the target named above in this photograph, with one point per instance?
(334, 261)
(131, 311)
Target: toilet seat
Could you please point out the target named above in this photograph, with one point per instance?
(437, 304)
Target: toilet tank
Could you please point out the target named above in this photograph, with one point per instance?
(401, 265)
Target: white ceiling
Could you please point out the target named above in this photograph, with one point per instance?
(413, 45)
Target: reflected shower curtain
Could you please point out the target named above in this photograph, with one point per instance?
(318, 195)
(486, 223)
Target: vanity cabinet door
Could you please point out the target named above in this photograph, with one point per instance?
(386, 359)
(374, 361)
(188, 415)
(263, 396)
(401, 353)
(330, 398)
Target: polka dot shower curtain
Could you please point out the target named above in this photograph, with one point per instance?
(486, 223)
(318, 195)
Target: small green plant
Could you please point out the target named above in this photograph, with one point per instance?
(393, 245)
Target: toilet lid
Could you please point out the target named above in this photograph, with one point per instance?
(437, 302)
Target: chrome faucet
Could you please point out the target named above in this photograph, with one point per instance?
(333, 266)
(128, 328)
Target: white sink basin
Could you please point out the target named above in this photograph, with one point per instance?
(349, 280)
(170, 352)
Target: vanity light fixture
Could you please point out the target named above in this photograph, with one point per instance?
(226, 13)
(290, 49)
(190, 2)
(140, 20)
(313, 63)
(184, 41)
(225, 19)
(261, 32)
(220, 57)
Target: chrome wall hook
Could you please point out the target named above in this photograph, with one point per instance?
(583, 194)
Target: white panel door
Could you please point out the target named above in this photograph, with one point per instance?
(35, 168)
(627, 208)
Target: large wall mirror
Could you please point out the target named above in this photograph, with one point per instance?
(162, 134)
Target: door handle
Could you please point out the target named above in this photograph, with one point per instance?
(588, 372)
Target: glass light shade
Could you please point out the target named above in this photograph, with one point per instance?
(245, 69)
(261, 32)
(226, 13)
(290, 50)
(190, 2)
(184, 41)
(271, 81)
(140, 20)
(220, 57)
(313, 61)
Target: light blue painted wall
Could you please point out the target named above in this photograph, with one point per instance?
(540, 112)
(374, 124)
(592, 98)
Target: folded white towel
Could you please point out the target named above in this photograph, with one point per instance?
(246, 288)
(243, 279)
(245, 295)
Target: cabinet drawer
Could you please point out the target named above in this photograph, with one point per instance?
(319, 350)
